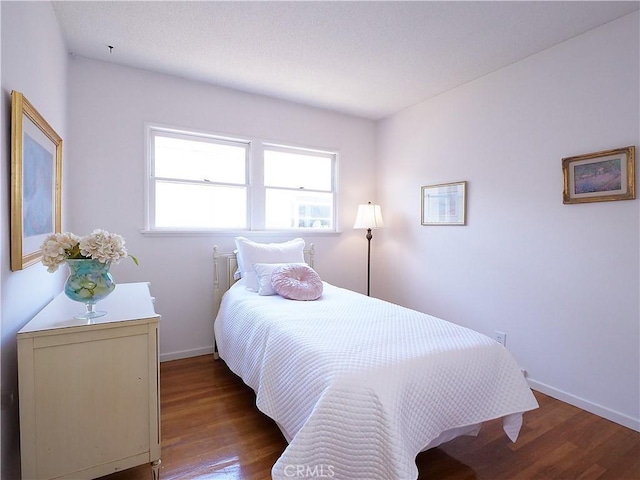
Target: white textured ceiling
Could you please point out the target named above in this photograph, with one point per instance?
(369, 59)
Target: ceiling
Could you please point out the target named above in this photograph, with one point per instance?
(369, 59)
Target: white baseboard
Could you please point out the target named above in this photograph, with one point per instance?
(604, 412)
(196, 352)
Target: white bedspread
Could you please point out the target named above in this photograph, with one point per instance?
(360, 386)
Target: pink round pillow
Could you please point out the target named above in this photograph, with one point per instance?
(297, 282)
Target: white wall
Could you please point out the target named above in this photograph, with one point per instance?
(561, 280)
(109, 106)
(34, 62)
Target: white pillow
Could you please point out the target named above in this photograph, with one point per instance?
(264, 271)
(250, 252)
(237, 275)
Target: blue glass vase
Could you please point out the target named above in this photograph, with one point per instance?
(89, 282)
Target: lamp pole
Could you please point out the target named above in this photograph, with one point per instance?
(369, 237)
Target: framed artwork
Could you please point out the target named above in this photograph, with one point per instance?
(444, 204)
(599, 177)
(36, 182)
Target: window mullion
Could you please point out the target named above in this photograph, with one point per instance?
(304, 190)
(188, 181)
(257, 190)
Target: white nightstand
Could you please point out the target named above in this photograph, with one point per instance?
(89, 393)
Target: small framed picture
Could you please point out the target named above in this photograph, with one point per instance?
(36, 177)
(599, 177)
(444, 204)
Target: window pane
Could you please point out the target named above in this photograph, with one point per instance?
(200, 206)
(201, 160)
(298, 209)
(295, 170)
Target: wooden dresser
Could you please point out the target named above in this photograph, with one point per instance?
(89, 392)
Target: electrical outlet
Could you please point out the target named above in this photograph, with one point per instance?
(500, 337)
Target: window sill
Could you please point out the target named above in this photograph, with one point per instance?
(240, 233)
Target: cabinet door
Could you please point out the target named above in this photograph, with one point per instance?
(91, 398)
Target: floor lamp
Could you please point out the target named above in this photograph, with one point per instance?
(369, 217)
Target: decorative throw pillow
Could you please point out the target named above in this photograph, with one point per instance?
(250, 252)
(264, 272)
(297, 282)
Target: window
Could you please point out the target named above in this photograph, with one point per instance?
(203, 182)
(197, 182)
(298, 188)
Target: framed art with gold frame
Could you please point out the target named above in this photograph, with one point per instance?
(444, 204)
(36, 182)
(600, 176)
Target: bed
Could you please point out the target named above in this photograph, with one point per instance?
(359, 386)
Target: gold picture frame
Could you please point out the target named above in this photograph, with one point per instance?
(444, 204)
(36, 182)
(600, 176)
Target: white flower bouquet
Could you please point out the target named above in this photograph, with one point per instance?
(99, 245)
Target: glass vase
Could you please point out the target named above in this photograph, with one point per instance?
(89, 282)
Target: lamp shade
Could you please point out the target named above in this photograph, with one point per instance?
(369, 216)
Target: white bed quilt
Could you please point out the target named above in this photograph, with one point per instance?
(360, 386)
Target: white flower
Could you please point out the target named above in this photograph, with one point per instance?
(103, 246)
(99, 245)
(56, 248)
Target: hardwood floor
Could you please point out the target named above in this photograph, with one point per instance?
(211, 429)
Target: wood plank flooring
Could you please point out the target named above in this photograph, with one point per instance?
(211, 429)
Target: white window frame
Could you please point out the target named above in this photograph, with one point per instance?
(333, 156)
(256, 190)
